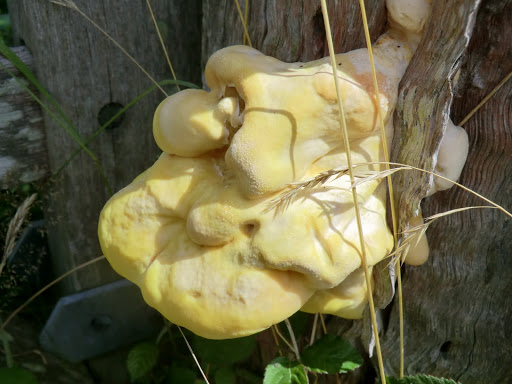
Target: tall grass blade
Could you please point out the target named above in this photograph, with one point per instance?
(485, 99)
(25, 70)
(49, 285)
(244, 22)
(292, 337)
(14, 228)
(390, 182)
(364, 262)
(162, 44)
(246, 19)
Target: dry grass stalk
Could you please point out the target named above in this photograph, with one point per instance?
(298, 189)
(286, 198)
(301, 188)
(411, 236)
(15, 227)
(46, 287)
(294, 340)
(193, 355)
(275, 329)
(343, 126)
(166, 54)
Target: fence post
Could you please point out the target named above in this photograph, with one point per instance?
(90, 77)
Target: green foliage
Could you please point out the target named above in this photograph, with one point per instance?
(179, 374)
(169, 361)
(5, 23)
(6, 338)
(224, 352)
(5, 29)
(331, 354)
(419, 379)
(299, 322)
(284, 371)
(225, 375)
(247, 377)
(141, 360)
(16, 375)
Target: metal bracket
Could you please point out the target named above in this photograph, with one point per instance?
(93, 322)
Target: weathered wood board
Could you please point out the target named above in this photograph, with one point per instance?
(85, 72)
(23, 156)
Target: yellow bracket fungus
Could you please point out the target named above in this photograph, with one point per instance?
(193, 231)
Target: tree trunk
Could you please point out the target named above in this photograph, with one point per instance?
(456, 305)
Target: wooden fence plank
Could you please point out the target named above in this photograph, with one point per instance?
(85, 72)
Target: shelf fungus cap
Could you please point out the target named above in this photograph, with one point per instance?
(348, 299)
(195, 231)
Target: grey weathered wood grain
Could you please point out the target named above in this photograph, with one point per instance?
(84, 72)
(22, 138)
(458, 305)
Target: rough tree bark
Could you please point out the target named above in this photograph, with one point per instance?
(458, 305)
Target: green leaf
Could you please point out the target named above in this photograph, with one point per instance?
(419, 379)
(224, 351)
(331, 354)
(5, 339)
(17, 375)
(299, 321)
(225, 375)
(5, 336)
(248, 377)
(178, 375)
(141, 360)
(283, 371)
